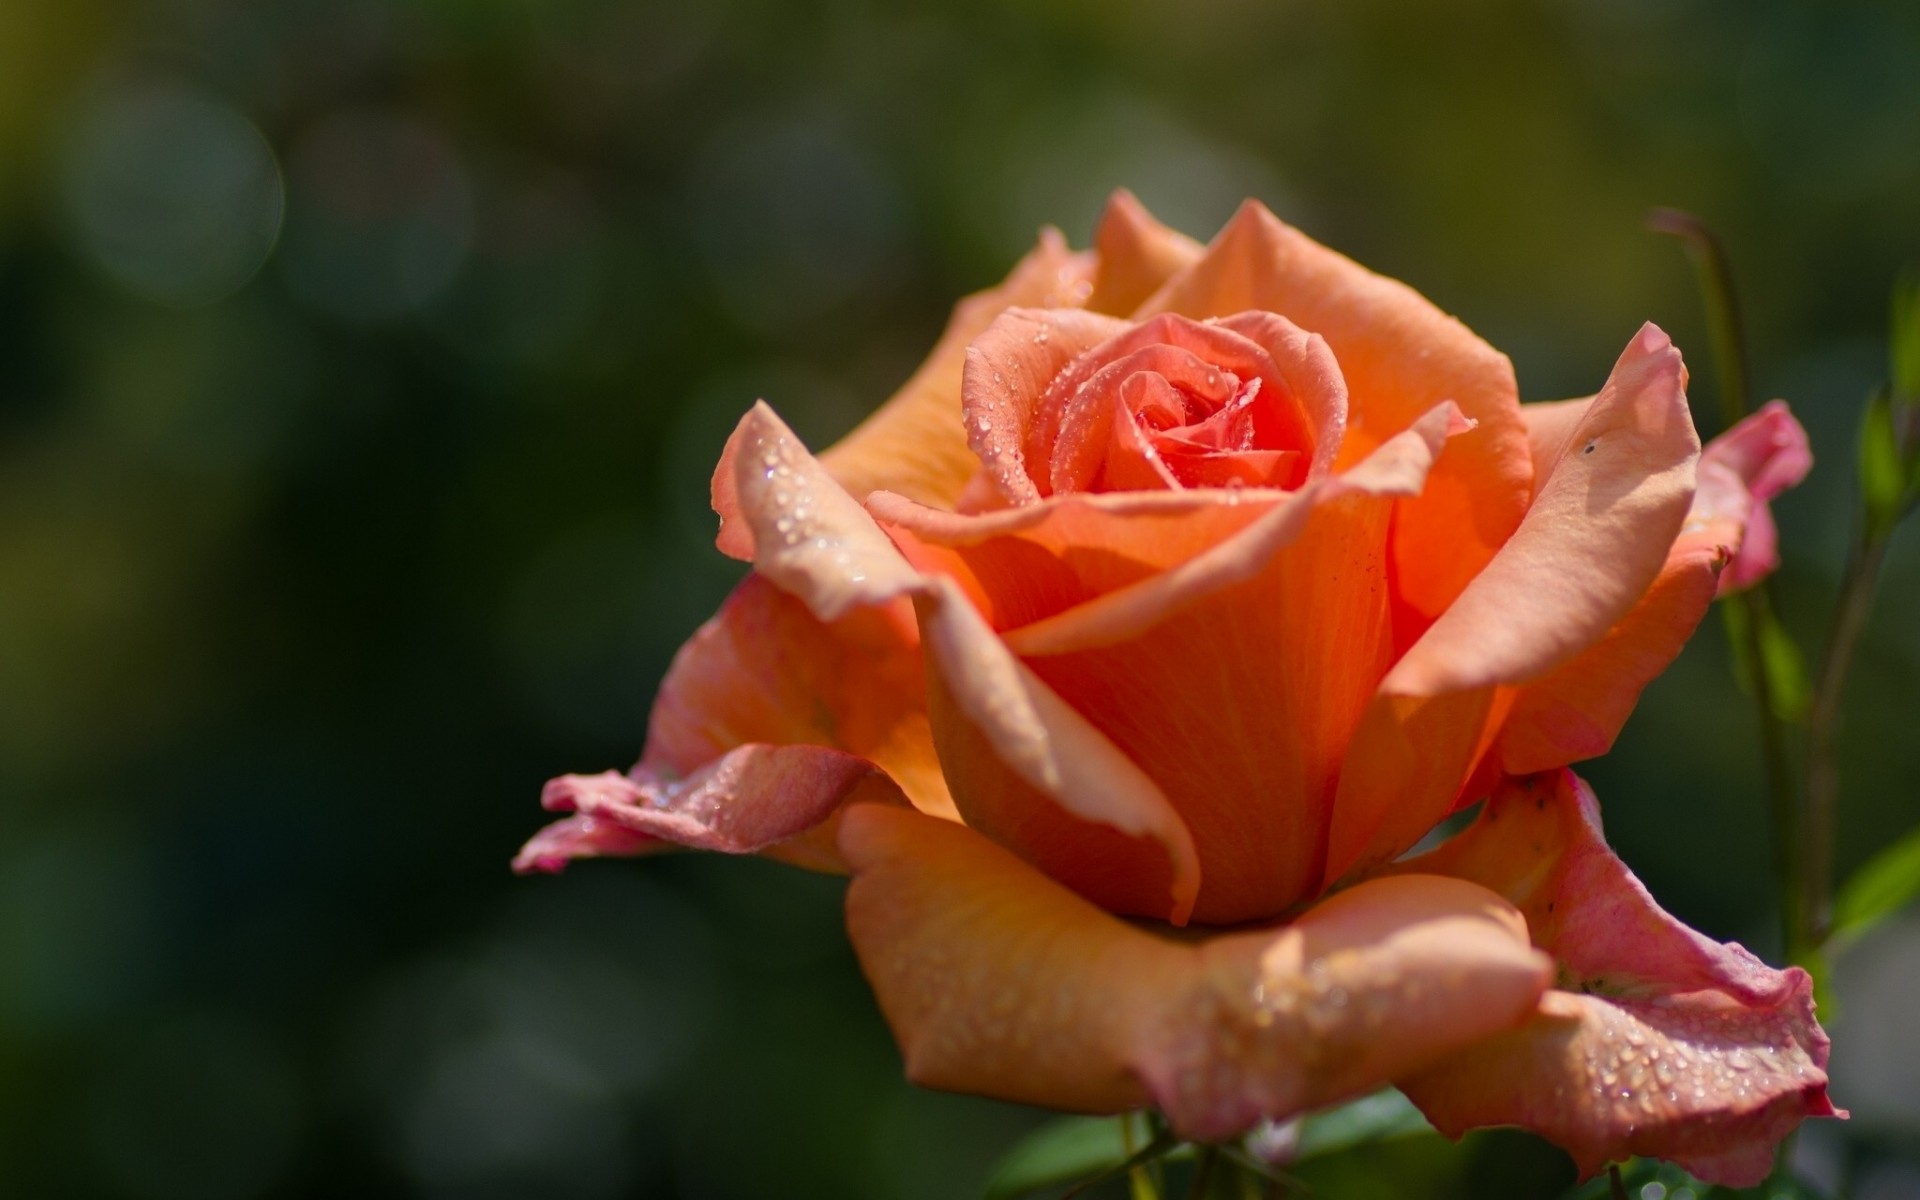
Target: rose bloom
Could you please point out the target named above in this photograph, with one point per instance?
(1123, 656)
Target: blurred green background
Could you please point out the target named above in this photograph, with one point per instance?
(362, 363)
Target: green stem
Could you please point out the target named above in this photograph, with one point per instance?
(1754, 608)
(1715, 275)
(1616, 1187)
(1857, 587)
(1203, 1163)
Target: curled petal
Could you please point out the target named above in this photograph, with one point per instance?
(1400, 356)
(1136, 254)
(1008, 369)
(1591, 545)
(780, 800)
(1767, 453)
(1662, 1042)
(1577, 710)
(724, 767)
(914, 444)
(999, 981)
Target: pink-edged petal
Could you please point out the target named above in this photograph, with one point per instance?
(782, 801)
(1660, 1041)
(1400, 356)
(1577, 710)
(915, 443)
(1768, 453)
(814, 541)
(1135, 255)
(1593, 542)
(998, 981)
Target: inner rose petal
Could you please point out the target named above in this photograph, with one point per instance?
(1170, 404)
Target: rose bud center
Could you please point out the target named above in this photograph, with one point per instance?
(1171, 404)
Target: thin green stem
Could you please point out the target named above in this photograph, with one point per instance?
(1857, 587)
(1753, 609)
(1722, 303)
(1616, 1187)
(1205, 1158)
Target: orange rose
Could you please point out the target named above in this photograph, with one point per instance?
(1206, 613)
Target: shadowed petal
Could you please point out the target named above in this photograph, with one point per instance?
(1400, 356)
(1591, 545)
(1663, 1043)
(1000, 982)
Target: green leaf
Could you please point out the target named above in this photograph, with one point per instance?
(1883, 475)
(1072, 1150)
(1384, 1115)
(1888, 882)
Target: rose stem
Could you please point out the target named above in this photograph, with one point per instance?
(1873, 532)
(1752, 610)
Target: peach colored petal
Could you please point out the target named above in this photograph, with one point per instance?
(1136, 254)
(783, 801)
(1067, 426)
(768, 720)
(813, 540)
(1768, 453)
(766, 670)
(1591, 545)
(1663, 1043)
(1400, 356)
(914, 444)
(1550, 425)
(1008, 369)
(1577, 710)
(1021, 565)
(1309, 368)
(996, 980)
(1286, 609)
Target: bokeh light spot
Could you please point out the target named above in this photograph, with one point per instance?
(173, 194)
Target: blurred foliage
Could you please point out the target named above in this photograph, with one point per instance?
(361, 366)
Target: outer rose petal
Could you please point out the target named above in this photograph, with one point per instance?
(1113, 602)
(1590, 546)
(768, 720)
(1577, 710)
(914, 444)
(1666, 1043)
(780, 800)
(1768, 453)
(1136, 254)
(998, 981)
(811, 539)
(1401, 356)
